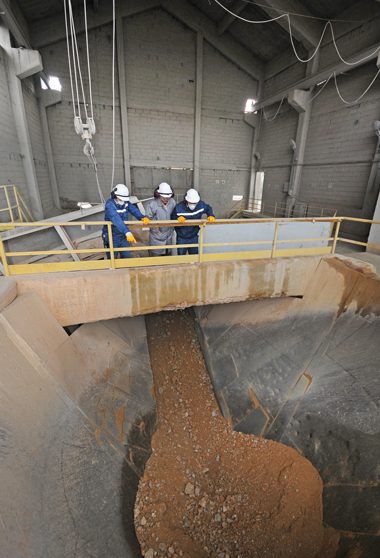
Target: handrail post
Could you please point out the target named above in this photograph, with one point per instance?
(200, 249)
(3, 258)
(110, 242)
(27, 213)
(9, 204)
(274, 239)
(275, 210)
(336, 233)
(15, 193)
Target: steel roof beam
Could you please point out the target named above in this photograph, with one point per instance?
(228, 46)
(307, 31)
(227, 20)
(363, 57)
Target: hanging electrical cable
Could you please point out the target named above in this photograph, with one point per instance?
(356, 61)
(321, 89)
(90, 153)
(304, 16)
(332, 75)
(281, 16)
(287, 16)
(360, 96)
(305, 60)
(273, 118)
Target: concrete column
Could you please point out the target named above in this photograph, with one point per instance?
(47, 99)
(254, 153)
(123, 96)
(373, 184)
(22, 63)
(300, 101)
(371, 202)
(198, 108)
(374, 233)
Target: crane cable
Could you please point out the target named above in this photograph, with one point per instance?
(76, 57)
(69, 59)
(78, 90)
(88, 59)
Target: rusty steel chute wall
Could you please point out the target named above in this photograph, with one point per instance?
(305, 372)
(77, 416)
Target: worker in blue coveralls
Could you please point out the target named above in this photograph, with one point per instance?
(192, 207)
(116, 210)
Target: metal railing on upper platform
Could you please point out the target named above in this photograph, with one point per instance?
(272, 247)
(281, 209)
(13, 205)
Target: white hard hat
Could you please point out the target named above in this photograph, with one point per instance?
(192, 196)
(121, 191)
(165, 190)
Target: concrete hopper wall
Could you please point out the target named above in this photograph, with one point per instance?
(82, 297)
(77, 413)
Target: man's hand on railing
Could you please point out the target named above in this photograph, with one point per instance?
(145, 220)
(131, 238)
(211, 219)
(181, 219)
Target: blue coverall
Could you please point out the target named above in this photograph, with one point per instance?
(189, 235)
(118, 213)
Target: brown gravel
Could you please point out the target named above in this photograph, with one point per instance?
(210, 491)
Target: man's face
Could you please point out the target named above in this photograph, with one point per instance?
(164, 200)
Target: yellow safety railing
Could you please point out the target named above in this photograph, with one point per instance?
(274, 247)
(15, 205)
(280, 209)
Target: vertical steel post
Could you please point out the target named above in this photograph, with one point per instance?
(3, 258)
(200, 249)
(9, 204)
(335, 237)
(274, 240)
(17, 202)
(110, 242)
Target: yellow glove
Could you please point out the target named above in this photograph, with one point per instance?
(145, 220)
(131, 238)
(181, 219)
(211, 219)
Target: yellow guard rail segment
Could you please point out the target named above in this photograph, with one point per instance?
(17, 209)
(273, 249)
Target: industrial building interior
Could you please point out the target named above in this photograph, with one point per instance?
(218, 403)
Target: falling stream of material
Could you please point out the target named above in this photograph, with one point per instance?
(210, 491)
